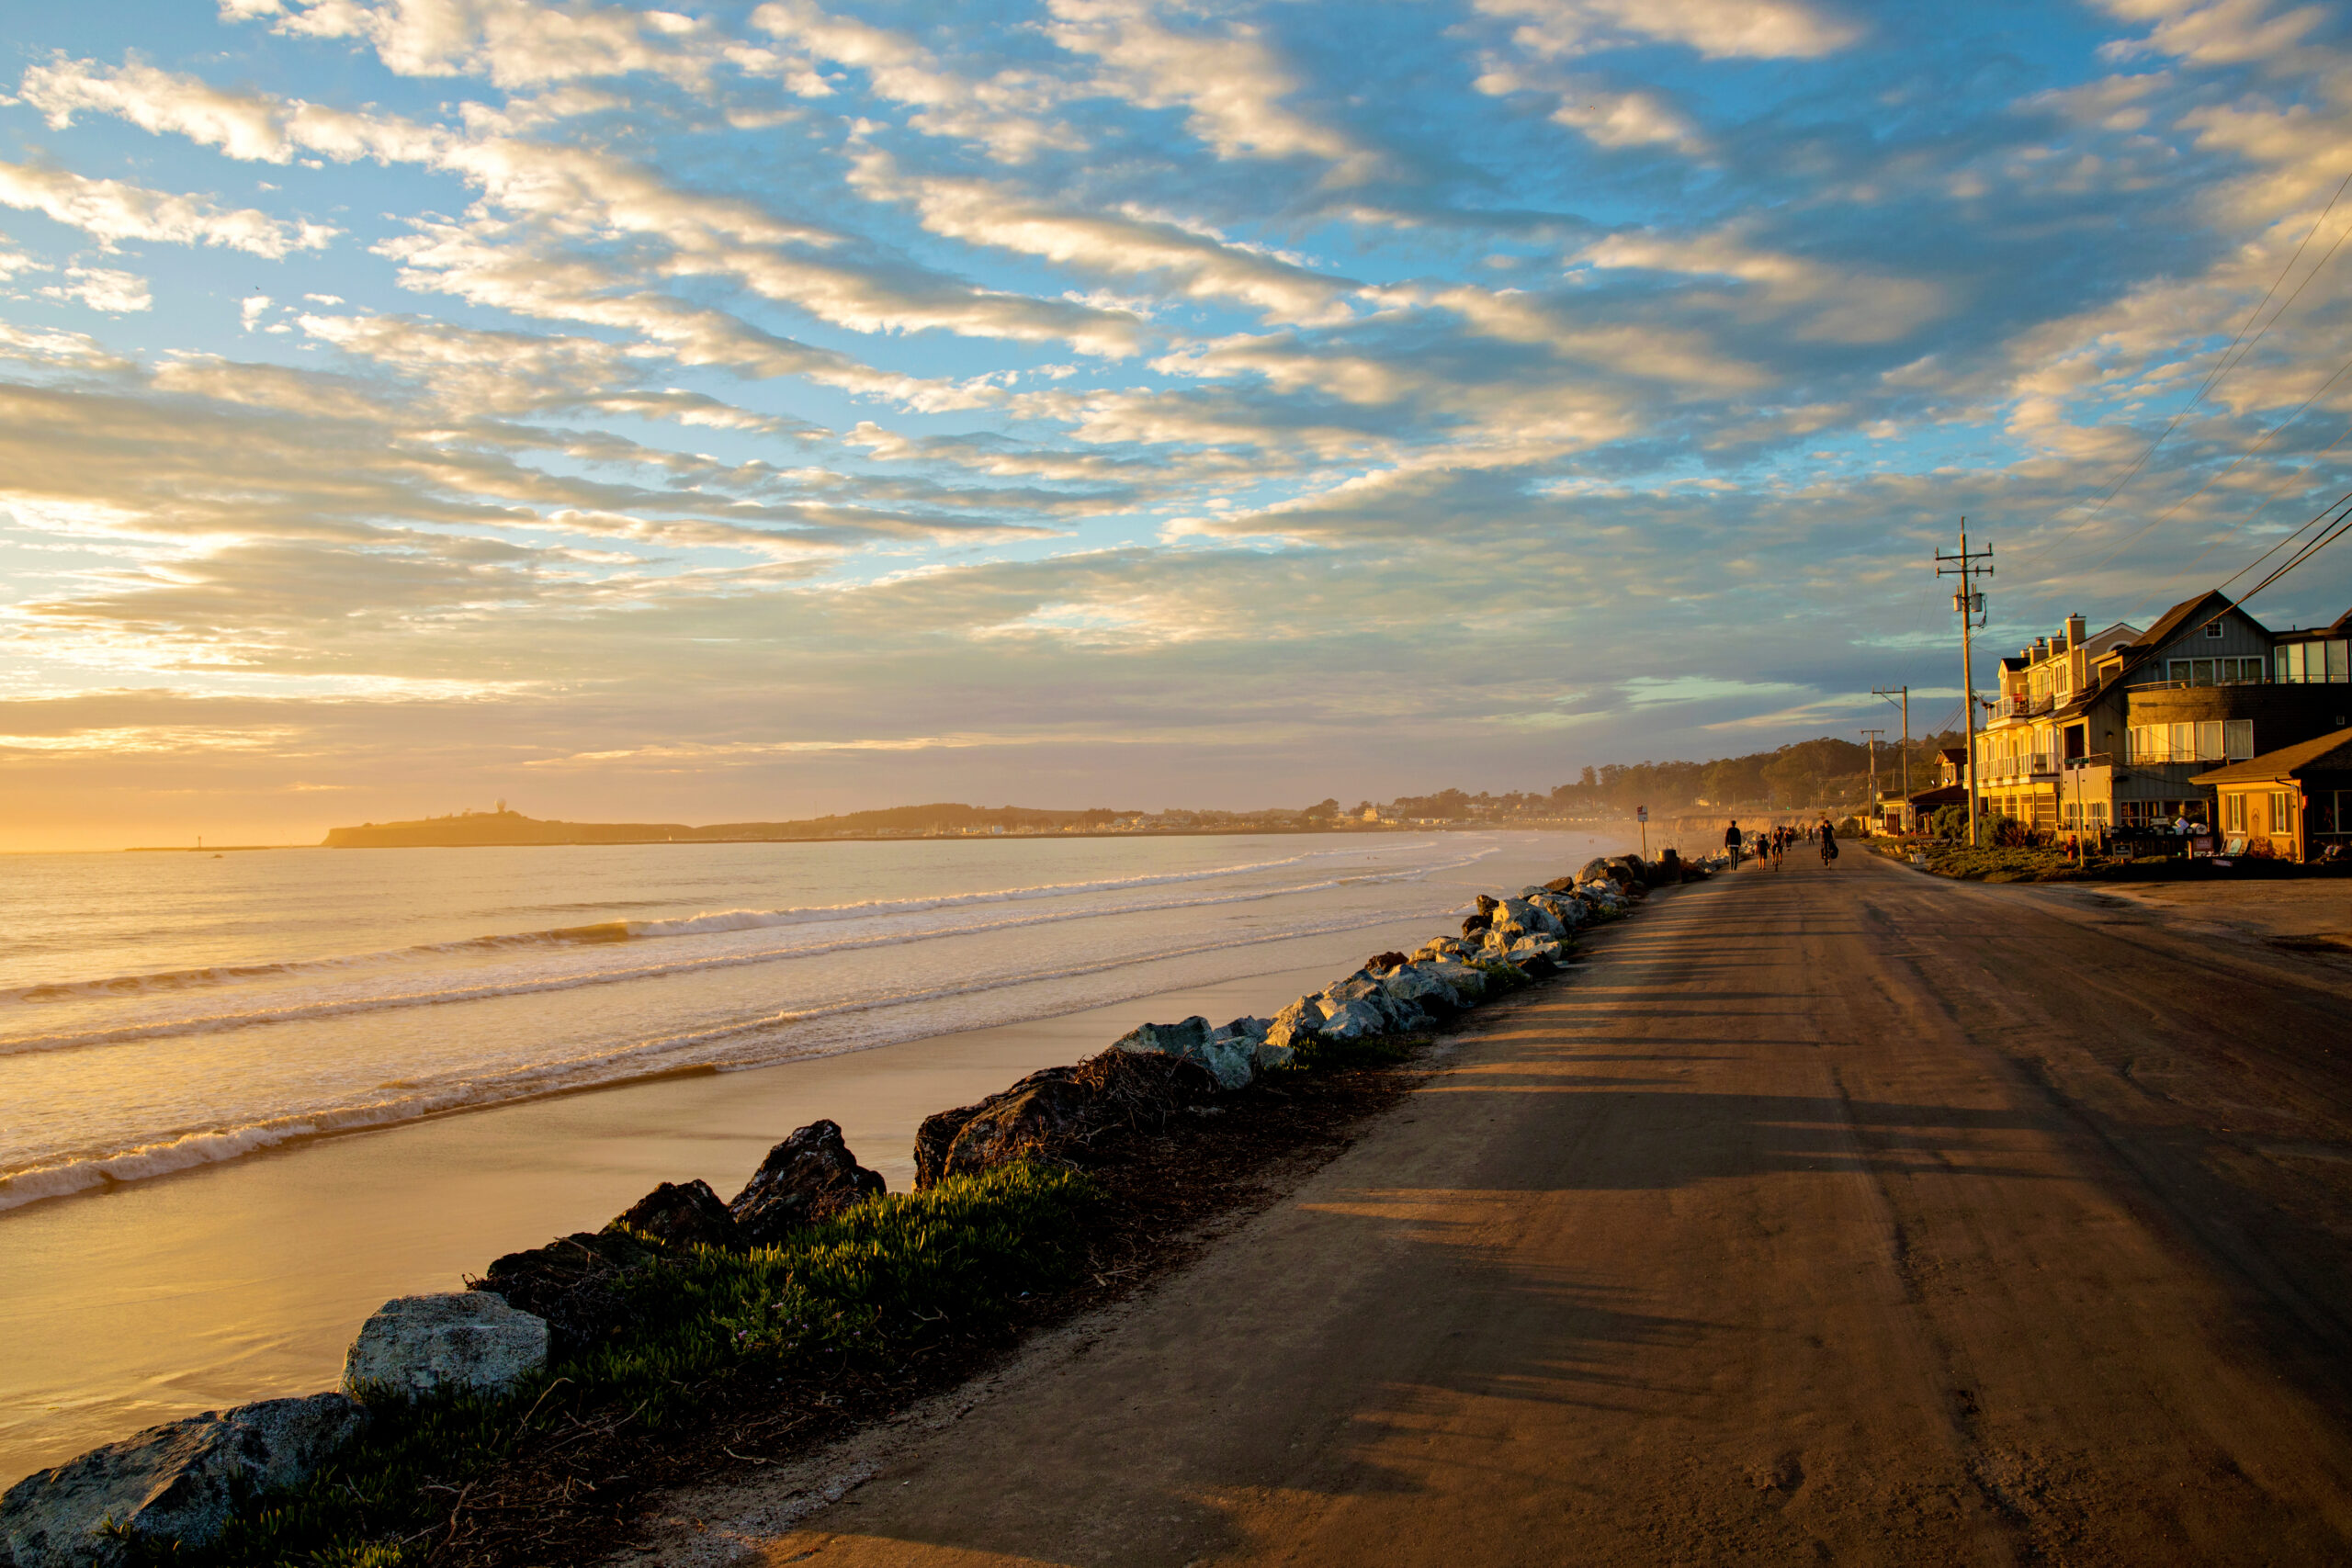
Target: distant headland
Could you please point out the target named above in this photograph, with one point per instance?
(943, 820)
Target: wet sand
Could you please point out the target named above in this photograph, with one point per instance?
(124, 1308)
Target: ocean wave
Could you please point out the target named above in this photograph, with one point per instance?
(622, 931)
(304, 1012)
(718, 1047)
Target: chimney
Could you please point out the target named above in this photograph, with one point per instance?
(2076, 629)
(2040, 649)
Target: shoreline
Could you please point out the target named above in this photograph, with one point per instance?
(226, 1282)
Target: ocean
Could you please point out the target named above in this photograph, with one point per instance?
(171, 1019)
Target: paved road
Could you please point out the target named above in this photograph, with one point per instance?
(1823, 1215)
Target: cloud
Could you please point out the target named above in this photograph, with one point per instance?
(1605, 116)
(1162, 400)
(103, 288)
(515, 44)
(1197, 264)
(1753, 29)
(1821, 300)
(110, 211)
(1230, 80)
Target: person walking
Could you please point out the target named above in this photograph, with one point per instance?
(1780, 842)
(1731, 842)
(1829, 843)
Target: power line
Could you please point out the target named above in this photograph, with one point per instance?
(2259, 507)
(2243, 458)
(2231, 359)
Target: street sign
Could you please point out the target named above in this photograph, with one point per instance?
(1641, 814)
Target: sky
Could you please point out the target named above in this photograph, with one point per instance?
(744, 410)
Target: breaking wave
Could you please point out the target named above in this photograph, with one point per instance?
(753, 1041)
(708, 924)
(342, 1007)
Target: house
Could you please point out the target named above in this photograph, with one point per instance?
(1950, 789)
(2115, 729)
(2292, 803)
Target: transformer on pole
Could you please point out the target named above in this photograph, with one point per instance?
(1967, 602)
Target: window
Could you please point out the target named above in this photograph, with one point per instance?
(2237, 739)
(2326, 660)
(2213, 628)
(2234, 814)
(2282, 813)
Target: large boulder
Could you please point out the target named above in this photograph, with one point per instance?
(809, 1176)
(179, 1482)
(682, 1214)
(1357, 1019)
(1231, 1061)
(1466, 981)
(1073, 1114)
(1395, 1013)
(1536, 955)
(464, 1341)
(1561, 884)
(1297, 1026)
(579, 1284)
(1415, 984)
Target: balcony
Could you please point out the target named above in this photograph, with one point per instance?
(2025, 765)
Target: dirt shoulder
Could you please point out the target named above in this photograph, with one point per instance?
(1847, 1215)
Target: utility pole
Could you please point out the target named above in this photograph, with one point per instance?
(1891, 694)
(1869, 739)
(1968, 602)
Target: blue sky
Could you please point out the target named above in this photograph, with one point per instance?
(750, 409)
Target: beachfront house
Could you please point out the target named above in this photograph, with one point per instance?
(2293, 803)
(2118, 728)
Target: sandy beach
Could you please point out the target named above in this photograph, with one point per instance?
(148, 1300)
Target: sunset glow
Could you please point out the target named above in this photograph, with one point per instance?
(751, 410)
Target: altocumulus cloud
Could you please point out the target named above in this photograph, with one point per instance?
(723, 409)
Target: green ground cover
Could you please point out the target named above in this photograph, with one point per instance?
(874, 1283)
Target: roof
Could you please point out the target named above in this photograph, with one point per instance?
(2329, 753)
(2170, 625)
(2341, 627)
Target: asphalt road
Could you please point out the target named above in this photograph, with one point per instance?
(1821, 1215)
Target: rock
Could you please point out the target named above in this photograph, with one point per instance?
(179, 1482)
(1380, 962)
(1416, 985)
(1353, 1020)
(1071, 1113)
(1476, 925)
(1232, 1061)
(465, 1340)
(1561, 884)
(1594, 871)
(1487, 903)
(682, 1214)
(1530, 918)
(1467, 982)
(1530, 952)
(934, 1138)
(1299, 1024)
(809, 1176)
(578, 1284)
